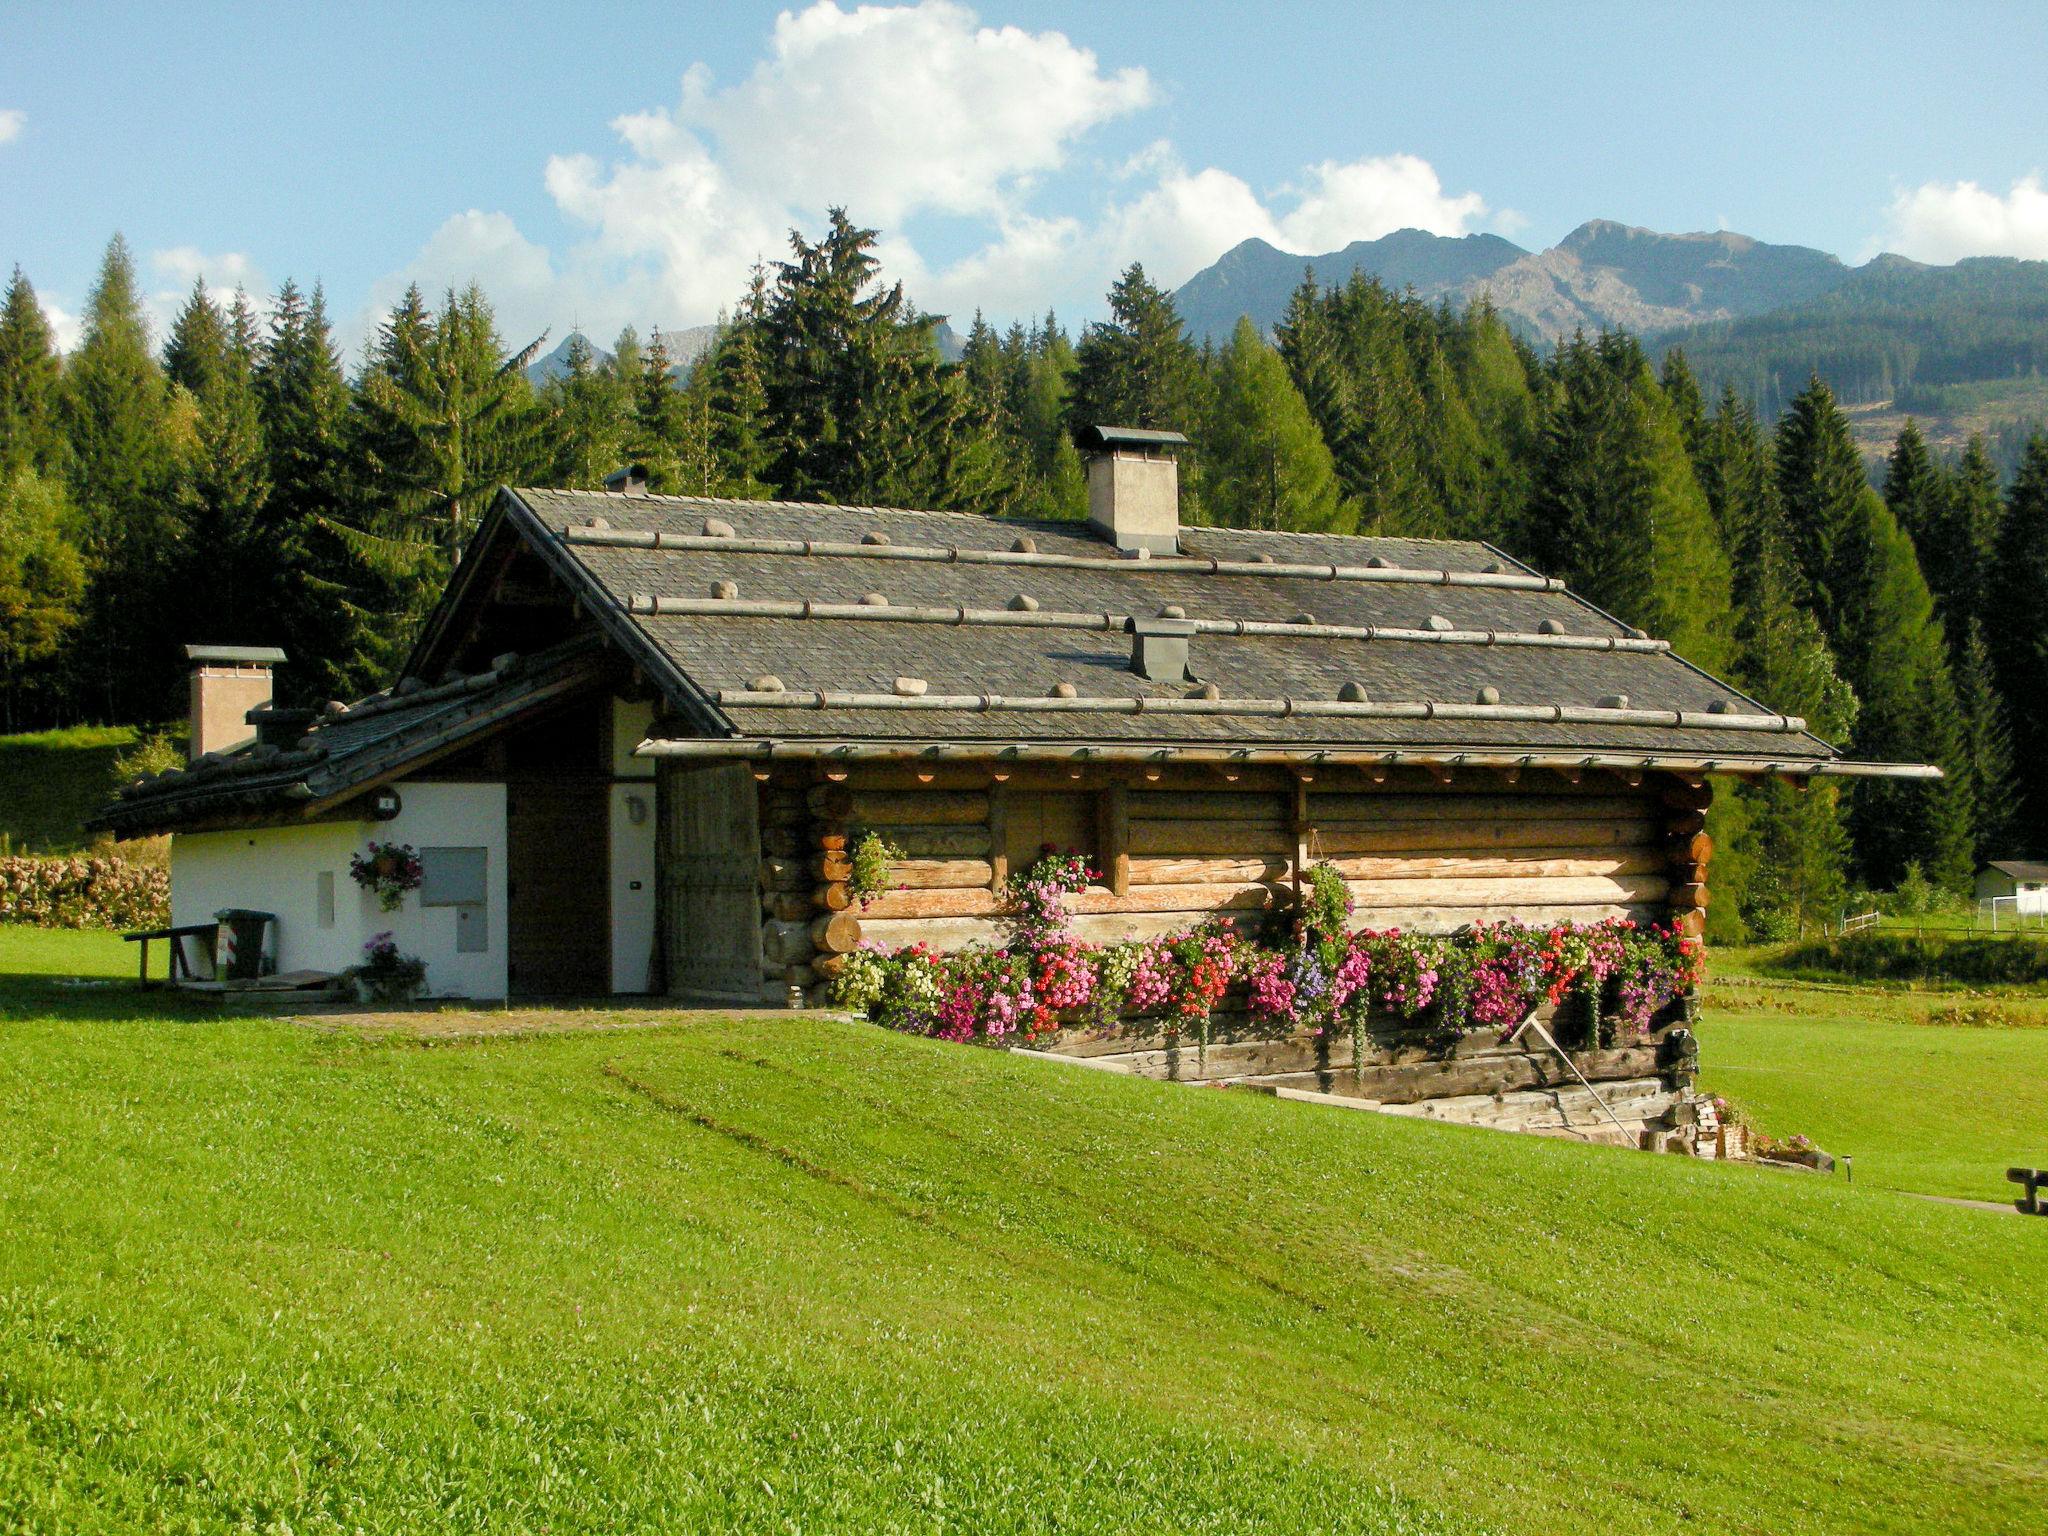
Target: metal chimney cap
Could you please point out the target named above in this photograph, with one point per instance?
(1108, 439)
(247, 655)
(630, 481)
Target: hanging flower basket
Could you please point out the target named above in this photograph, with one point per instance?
(388, 869)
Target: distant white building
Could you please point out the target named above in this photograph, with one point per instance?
(2024, 884)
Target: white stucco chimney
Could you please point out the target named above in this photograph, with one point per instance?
(227, 682)
(1134, 487)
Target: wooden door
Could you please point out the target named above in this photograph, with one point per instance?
(558, 921)
(710, 872)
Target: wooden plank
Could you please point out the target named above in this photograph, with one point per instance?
(712, 876)
(998, 837)
(1449, 919)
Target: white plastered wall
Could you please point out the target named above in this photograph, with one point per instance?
(632, 849)
(279, 870)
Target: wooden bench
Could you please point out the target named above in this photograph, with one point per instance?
(179, 968)
(2034, 1181)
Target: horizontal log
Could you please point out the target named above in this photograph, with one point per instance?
(1684, 896)
(830, 837)
(1534, 864)
(1148, 870)
(830, 866)
(1685, 823)
(1335, 810)
(802, 975)
(1449, 919)
(940, 874)
(1242, 896)
(1209, 805)
(834, 896)
(1692, 923)
(1463, 837)
(828, 967)
(950, 933)
(836, 932)
(900, 808)
(1696, 849)
(1579, 891)
(1687, 874)
(1679, 795)
(792, 816)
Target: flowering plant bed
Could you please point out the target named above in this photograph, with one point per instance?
(388, 869)
(1604, 984)
(385, 975)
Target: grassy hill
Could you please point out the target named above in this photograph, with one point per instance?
(50, 781)
(802, 1275)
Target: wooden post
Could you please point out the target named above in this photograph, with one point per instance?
(1113, 837)
(1302, 832)
(998, 837)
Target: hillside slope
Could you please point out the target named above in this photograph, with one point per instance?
(50, 781)
(798, 1274)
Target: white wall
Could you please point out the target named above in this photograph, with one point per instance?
(278, 869)
(632, 886)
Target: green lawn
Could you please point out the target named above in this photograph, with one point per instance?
(799, 1275)
(1920, 1106)
(51, 781)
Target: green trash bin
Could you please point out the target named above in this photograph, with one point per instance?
(241, 950)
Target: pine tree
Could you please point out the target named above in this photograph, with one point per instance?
(1266, 465)
(124, 456)
(2019, 638)
(31, 432)
(740, 429)
(1821, 489)
(1733, 465)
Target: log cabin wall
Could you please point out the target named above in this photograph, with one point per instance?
(1178, 844)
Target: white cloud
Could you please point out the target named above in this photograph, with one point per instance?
(12, 121)
(179, 267)
(918, 120)
(66, 328)
(1946, 221)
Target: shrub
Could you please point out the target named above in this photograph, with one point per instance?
(84, 892)
(158, 752)
(1919, 957)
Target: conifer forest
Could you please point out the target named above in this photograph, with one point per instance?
(238, 481)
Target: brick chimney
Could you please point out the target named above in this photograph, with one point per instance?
(1133, 487)
(227, 682)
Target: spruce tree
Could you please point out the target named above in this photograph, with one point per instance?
(1894, 655)
(1265, 464)
(197, 351)
(1138, 369)
(588, 419)
(1962, 541)
(740, 429)
(1914, 489)
(1821, 489)
(1795, 849)
(1987, 743)
(1617, 511)
(124, 457)
(1495, 377)
(661, 422)
(1688, 405)
(31, 431)
(2019, 638)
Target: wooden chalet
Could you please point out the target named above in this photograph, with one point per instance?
(638, 733)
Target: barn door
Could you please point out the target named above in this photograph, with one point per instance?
(710, 874)
(557, 930)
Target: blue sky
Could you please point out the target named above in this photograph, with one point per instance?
(627, 162)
